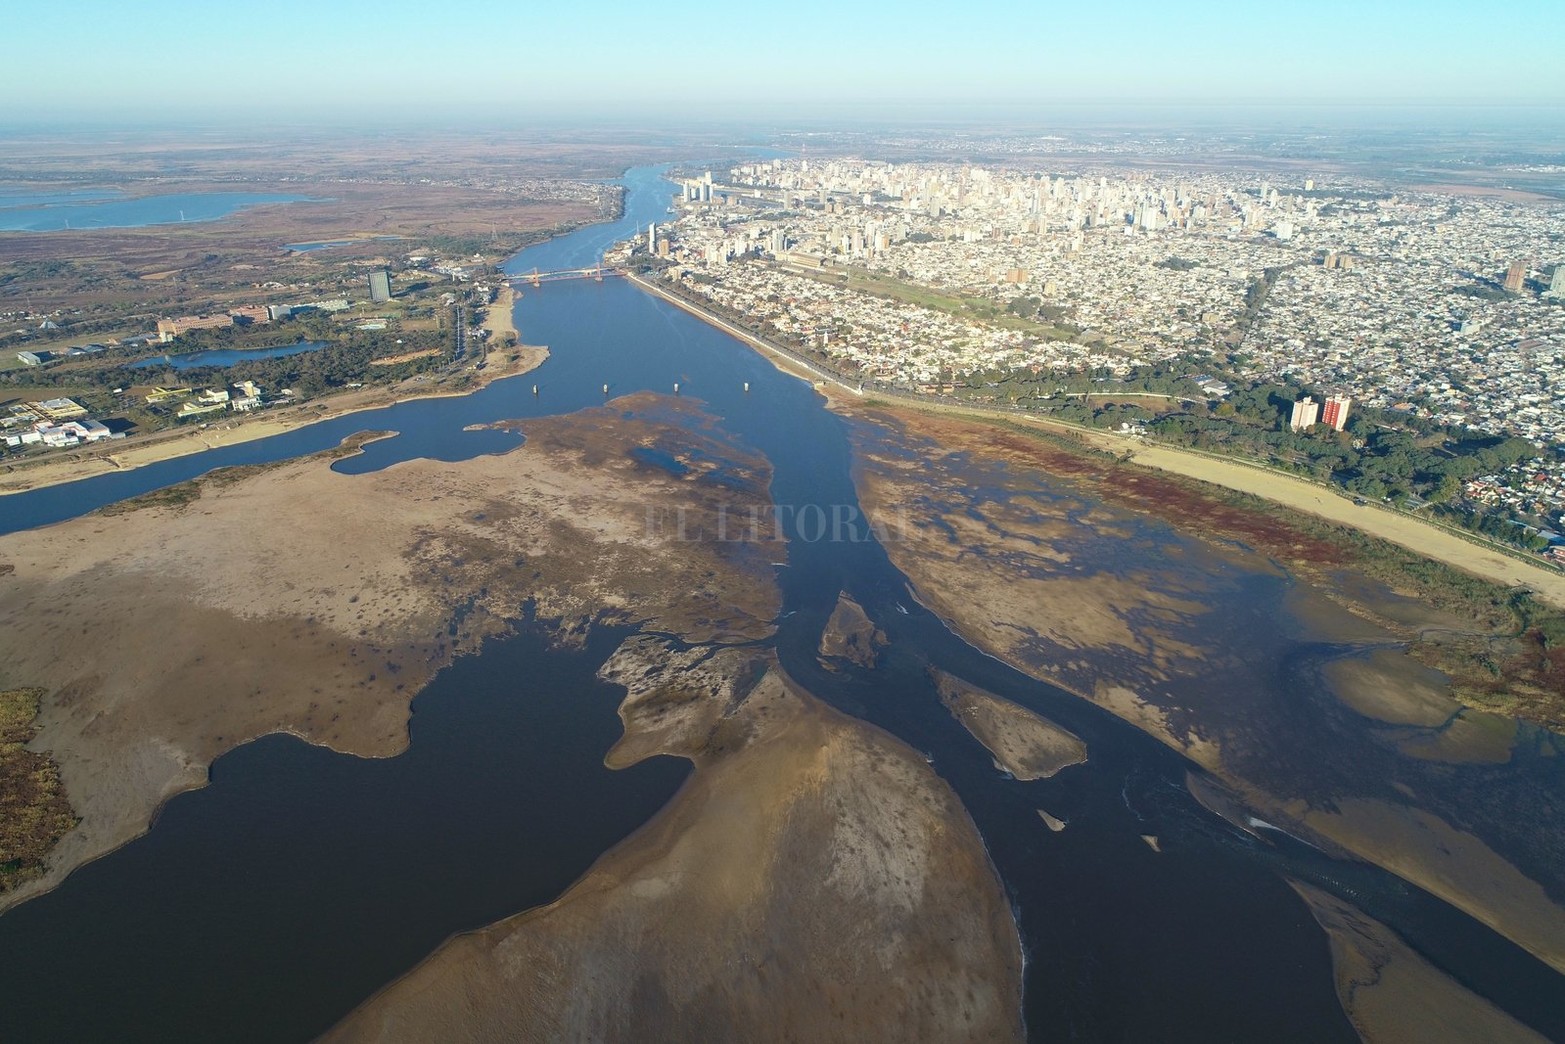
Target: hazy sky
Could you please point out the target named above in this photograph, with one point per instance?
(331, 60)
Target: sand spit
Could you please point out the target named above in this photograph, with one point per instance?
(1445, 861)
(295, 599)
(1027, 745)
(139, 451)
(851, 636)
(814, 881)
(1391, 994)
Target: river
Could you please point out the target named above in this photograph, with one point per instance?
(268, 904)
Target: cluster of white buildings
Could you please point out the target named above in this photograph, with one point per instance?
(53, 423)
(240, 398)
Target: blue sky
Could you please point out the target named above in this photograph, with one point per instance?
(334, 60)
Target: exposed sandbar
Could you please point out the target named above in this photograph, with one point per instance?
(1027, 745)
(850, 635)
(292, 598)
(1390, 686)
(814, 881)
(1392, 995)
(1033, 552)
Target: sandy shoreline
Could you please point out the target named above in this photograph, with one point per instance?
(161, 446)
(500, 317)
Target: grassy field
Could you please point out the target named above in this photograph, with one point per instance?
(977, 309)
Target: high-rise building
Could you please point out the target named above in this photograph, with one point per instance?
(380, 285)
(652, 238)
(1516, 276)
(1305, 414)
(1334, 411)
(1557, 283)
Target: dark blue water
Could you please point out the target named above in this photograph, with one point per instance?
(262, 907)
(130, 213)
(1203, 941)
(226, 356)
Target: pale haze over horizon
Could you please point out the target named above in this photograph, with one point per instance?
(167, 60)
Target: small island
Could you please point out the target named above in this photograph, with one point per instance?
(1026, 745)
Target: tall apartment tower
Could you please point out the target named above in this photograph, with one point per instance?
(1516, 276)
(1557, 283)
(652, 238)
(1334, 411)
(380, 285)
(1305, 413)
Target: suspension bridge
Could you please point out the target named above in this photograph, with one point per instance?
(538, 278)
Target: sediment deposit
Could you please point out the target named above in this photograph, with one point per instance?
(293, 598)
(815, 881)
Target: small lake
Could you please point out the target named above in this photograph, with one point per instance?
(226, 356)
(46, 213)
(327, 244)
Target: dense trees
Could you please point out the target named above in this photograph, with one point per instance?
(1382, 455)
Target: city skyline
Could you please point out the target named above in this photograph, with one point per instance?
(175, 60)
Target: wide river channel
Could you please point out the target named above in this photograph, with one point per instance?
(268, 904)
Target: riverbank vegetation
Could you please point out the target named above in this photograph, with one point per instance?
(1387, 456)
(34, 813)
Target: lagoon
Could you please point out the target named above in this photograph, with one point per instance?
(226, 356)
(58, 212)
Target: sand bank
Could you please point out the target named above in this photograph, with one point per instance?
(814, 881)
(271, 640)
(850, 636)
(1027, 745)
(1016, 548)
(1391, 994)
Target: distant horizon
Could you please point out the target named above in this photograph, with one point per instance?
(392, 61)
(1080, 117)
